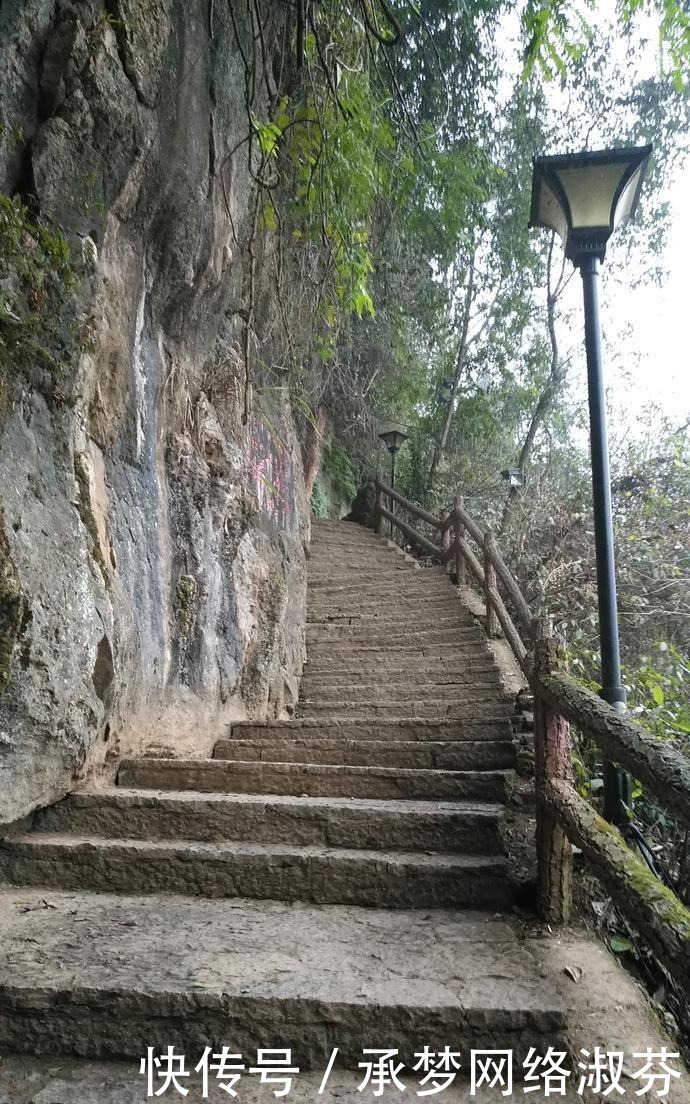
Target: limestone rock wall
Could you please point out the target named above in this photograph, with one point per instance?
(152, 541)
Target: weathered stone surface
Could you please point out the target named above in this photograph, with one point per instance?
(108, 976)
(117, 813)
(425, 680)
(420, 708)
(413, 755)
(394, 657)
(606, 1008)
(280, 872)
(405, 730)
(384, 631)
(39, 1081)
(314, 779)
(401, 660)
(386, 691)
(156, 541)
(336, 637)
(96, 974)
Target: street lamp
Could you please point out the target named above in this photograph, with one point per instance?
(393, 439)
(514, 477)
(447, 388)
(583, 197)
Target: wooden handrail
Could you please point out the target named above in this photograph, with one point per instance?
(651, 908)
(411, 533)
(513, 591)
(562, 815)
(494, 567)
(510, 632)
(470, 525)
(662, 769)
(413, 508)
(460, 521)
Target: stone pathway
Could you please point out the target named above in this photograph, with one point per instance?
(328, 881)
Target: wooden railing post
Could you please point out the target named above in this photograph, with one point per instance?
(377, 508)
(459, 536)
(489, 584)
(552, 762)
(445, 538)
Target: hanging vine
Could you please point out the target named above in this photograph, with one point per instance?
(334, 144)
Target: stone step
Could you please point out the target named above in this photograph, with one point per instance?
(117, 813)
(391, 620)
(397, 606)
(385, 691)
(365, 539)
(324, 688)
(106, 976)
(327, 657)
(319, 576)
(425, 677)
(343, 638)
(343, 655)
(411, 660)
(311, 779)
(332, 713)
(370, 594)
(405, 730)
(321, 527)
(322, 550)
(340, 566)
(338, 551)
(417, 585)
(385, 625)
(261, 871)
(83, 1081)
(461, 755)
(391, 613)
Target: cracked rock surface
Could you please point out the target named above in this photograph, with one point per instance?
(153, 536)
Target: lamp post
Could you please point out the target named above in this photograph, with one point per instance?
(393, 439)
(513, 477)
(447, 388)
(583, 197)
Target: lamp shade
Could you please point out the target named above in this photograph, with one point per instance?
(584, 196)
(393, 438)
(514, 477)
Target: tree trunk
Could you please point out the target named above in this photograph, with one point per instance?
(459, 365)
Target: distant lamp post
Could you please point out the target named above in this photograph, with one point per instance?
(393, 438)
(583, 197)
(514, 477)
(447, 387)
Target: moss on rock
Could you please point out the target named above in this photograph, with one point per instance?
(186, 595)
(11, 606)
(37, 313)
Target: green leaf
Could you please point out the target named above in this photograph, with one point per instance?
(658, 695)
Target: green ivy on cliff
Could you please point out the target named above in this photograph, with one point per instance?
(37, 281)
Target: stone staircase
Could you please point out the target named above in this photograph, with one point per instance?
(319, 881)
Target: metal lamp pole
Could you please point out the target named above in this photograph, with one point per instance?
(582, 197)
(617, 783)
(393, 439)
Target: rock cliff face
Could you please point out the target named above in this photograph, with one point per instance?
(152, 529)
